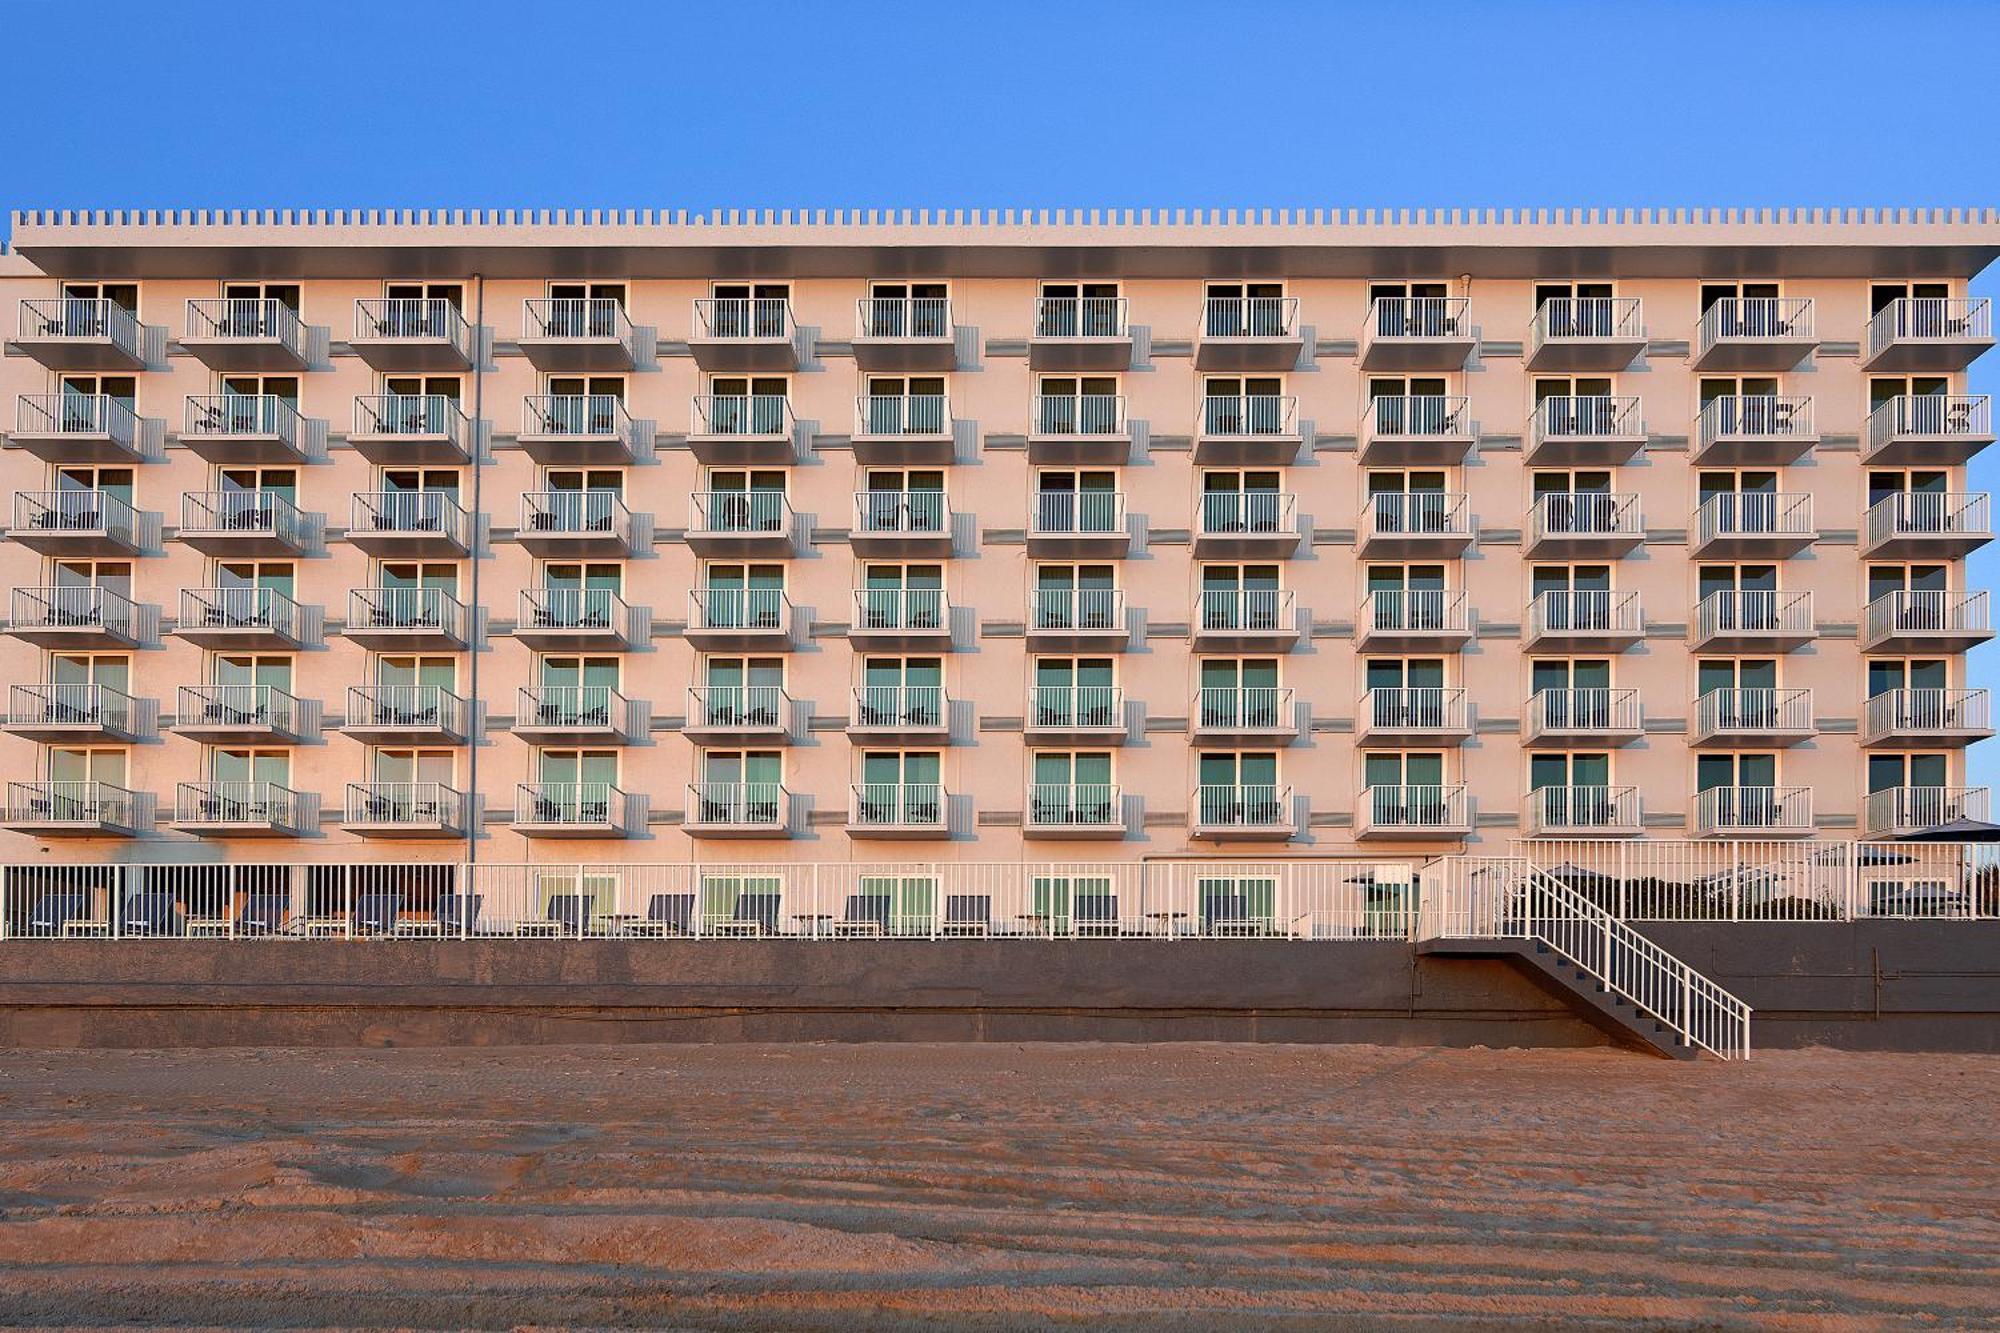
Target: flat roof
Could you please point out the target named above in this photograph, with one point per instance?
(1136, 243)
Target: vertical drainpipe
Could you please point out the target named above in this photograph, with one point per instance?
(475, 808)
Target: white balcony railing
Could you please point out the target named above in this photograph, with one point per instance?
(240, 706)
(1755, 711)
(237, 415)
(1561, 611)
(740, 513)
(1941, 514)
(1931, 416)
(1586, 514)
(909, 317)
(1233, 513)
(1076, 706)
(1077, 513)
(1249, 414)
(1928, 319)
(1736, 417)
(1584, 811)
(747, 706)
(85, 607)
(1245, 805)
(257, 804)
(1080, 414)
(901, 609)
(1563, 417)
(415, 415)
(69, 705)
(410, 513)
(1407, 318)
(589, 805)
(761, 414)
(892, 415)
(1927, 709)
(1753, 514)
(1243, 708)
(1256, 609)
(762, 318)
(1582, 710)
(900, 707)
(80, 319)
(1899, 810)
(560, 608)
(1415, 610)
(1081, 317)
(413, 609)
(897, 805)
(1416, 514)
(1415, 809)
(576, 317)
(1073, 805)
(1249, 317)
(573, 707)
(82, 513)
(250, 513)
(1754, 611)
(1077, 608)
(1416, 708)
(1565, 319)
(599, 513)
(247, 318)
(407, 707)
(1755, 319)
(1754, 810)
(428, 319)
(241, 609)
(1392, 416)
(85, 415)
(902, 513)
(417, 804)
(591, 415)
(83, 803)
(727, 608)
(1929, 611)
(737, 804)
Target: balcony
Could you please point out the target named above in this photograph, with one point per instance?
(734, 429)
(1899, 812)
(1413, 812)
(241, 524)
(1586, 333)
(231, 429)
(904, 428)
(1586, 715)
(244, 714)
(1414, 620)
(1248, 333)
(749, 619)
(1586, 430)
(1584, 812)
(588, 619)
(81, 523)
(1249, 812)
(1245, 619)
(901, 523)
(1927, 621)
(1434, 524)
(744, 333)
(1588, 525)
(1752, 620)
(1416, 714)
(1759, 526)
(577, 429)
(412, 333)
(918, 713)
(1259, 524)
(1431, 430)
(79, 333)
(1927, 334)
(1584, 620)
(75, 810)
(740, 523)
(575, 525)
(246, 333)
(737, 810)
(1754, 430)
(1936, 430)
(1761, 333)
(75, 428)
(1258, 428)
(1085, 619)
(393, 620)
(75, 616)
(897, 810)
(1087, 428)
(405, 810)
(1927, 525)
(738, 715)
(1417, 333)
(409, 525)
(904, 333)
(1087, 524)
(1075, 715)
(244, 810)
(411, 428)
(1260, 715)
(573, 810)
(56, 714)
(1080, 810)
(901, 618)
(241, 617)
(1758, 717)
(576, 333)
(1921, 718)
(1753, 812)
(1080, 333)
(406, 715)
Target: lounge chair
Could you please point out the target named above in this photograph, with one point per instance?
(571, 912)
(754, 914)
(263, 914)
(153, 913)
(967, 914)
(54, 912)
(375, 913)
(458, 913)
(666, 914)
(866, 914)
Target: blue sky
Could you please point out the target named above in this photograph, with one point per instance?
(506, 103)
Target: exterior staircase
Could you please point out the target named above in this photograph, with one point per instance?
(1507, 907)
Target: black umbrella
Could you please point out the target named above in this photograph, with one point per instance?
(1956, 830)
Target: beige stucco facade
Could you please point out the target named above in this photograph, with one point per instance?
(1808, 341)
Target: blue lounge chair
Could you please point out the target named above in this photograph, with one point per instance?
(54, 911)
(153, 913)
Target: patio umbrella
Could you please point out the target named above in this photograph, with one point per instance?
(1956, 830)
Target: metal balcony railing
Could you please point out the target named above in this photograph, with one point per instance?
(902, 414)
(910, 513)
(1932, 709)
(1586, 514)
(1253, 805)
(89, 803)
(1754, 610)
(1584, 710)
(570, 804)
(1416, 514)
(244, 317)
(897, 805)
(422, 415)
(414, 707)
(1755, 318)
(742, 414)
(1930, 514)
(1249, 317)
(81, 318)
(1084, 805)
(74, 607)
(748, 804)
(1584, 810)
(765, 706)
(1579, 318)
(254, 803)
(1404, 318)
(1249, 414)
(1753, 711)
(1754, 416)
(1081, 317)
(1077, 513)
(407, 609)
(1584, 610)
(1244, 608)
(596, 415)
(1585, 417)
(1080, 414)
(239, 706)
(240, 609)
(742, 513)
(80, 512)
(1929, 319)
(1391, 416)
(1415, 807)
(738, 608)
(903, 317)
(1078, 608)
(1075, 706)
(1243, 708)
(896, 707)
(411, 319)
(230, 415)
(1929, 611)
(79, 414)
(1228, 513)
(746, 317)
(1413, 610)
(901, 608)
(1422, 708)
(414, 512)
(1753, 514)
(1942, 416)
(69, 705)
(572, 608)
(576, 514)
(1754, 810)
(1899, 810)
(575, 317)
(418, 804)
(269, 513)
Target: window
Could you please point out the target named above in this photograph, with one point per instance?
(1243, 405)
(1578, 597)
(902, 597)
(115, 482)
(1574, 501)
(1405, 692)
(71, 765)
(78, 395)
(112, 671)
(900, 787)
(907, 310)
(1743, 787)
(418, 767)
(746, 405)
(1881, 295)
(1580, 309)
(400, 672)
(1572, 790)
(1079, 310)
(436, 575)
(1074, 691)
(244, 314)
(746, 691)
(740, 787)
(575, 786)
(1077, 405)
(1907, 770)
(1411, 405)
(1751, 684)
(903, 500)
(1405, 788)
(581, 405)
(1071, 787)
(1407, 596)
(743, 596)
(1244, 310)
(113, 576)
(750, 309)
(124, 295)
(256, 671)
(1067, 501)
(1409, 501)
(1240, 597)
(1920, 673)
(1412, 310)
(901, 691)
(278, 576)
(1746, 405)
(584, 310)
(743, 500)
(1241, 501)
(905, 405)
(1238, 788)
(245, 770)
(1238, 692)
(1571, 693)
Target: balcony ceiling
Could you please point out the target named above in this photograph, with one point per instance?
(657, 245)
